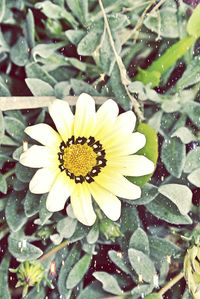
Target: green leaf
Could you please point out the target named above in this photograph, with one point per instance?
(2, 13)
(149, 192)
(21, 249)
(131, 220)
(19, 53)
(46, 50)
(80, 86)
(194, 177)
(191, 75)
(193, 111)
(150, 150)
(93, 234)
(142, 264)
(141, 290)
(153, 296)
(79, 9)
(75, 36)
(36, 293)
(173, 156)
(29, 29)
(3, 202)
(4, 92)
(34, 70)
(15, 128)
(78, 271)
(2, 126)
(118, 89)
(39, 87)
(180, 195)
(109, 283)
(4, 289)
(160, 248)
(192, 161)
(118, 260)
(66, 227)
(166, 24)
(184, 134)
(70, 261)
(15, 213)
(23, 173)
(164, 209)
(62, 89)
(93, 290)
(193, 25)
(31, 204)
(3, 184)
(139, 240)
(44, 214)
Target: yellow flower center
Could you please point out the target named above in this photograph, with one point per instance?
(79, 159)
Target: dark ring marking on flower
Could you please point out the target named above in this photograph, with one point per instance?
(97, 148)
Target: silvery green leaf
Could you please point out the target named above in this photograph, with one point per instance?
(79, 9)
(31, 204)
(93, 234)
(173, 156)
(80, 86)
(184, 134)
(141, 290)
(192, 160)
(78, 271)
(149, 192)
(118, 259)
(17, 153)
(109, 282)
(66, 227)
(90, 41)
(193, 112)
(160, 248)
(3, 184)
(44, 214)
(164, 209)
(75, 36)
(142, 264)
(15, 215)
(39, 87)
(170, 106)
(180, 195)
(46, 50)
(139, 240)
(15, 128)
(23, 173)
(191, 75)
(35, 293)
(62, 89)
(34, 70)
(2, 126)
(4, 289)
(2, 12)
(21, 249)
(131, 219)
(194, 177)
(19, 53)
(93, 290)
(56, 239)
(29, 28)
(4, 91)
(155, 120)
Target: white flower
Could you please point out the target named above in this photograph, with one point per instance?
(87, 158)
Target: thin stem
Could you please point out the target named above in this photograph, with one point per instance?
(9, 173)
(53, 250)
(171, 283)
(124, 79)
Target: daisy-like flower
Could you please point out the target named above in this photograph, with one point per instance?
(87, 158)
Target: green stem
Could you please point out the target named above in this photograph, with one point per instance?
(9, 173)
(54, 250)
(171, 283)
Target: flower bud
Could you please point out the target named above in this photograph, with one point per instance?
(192, 270)
(109, 229)
(29, 274)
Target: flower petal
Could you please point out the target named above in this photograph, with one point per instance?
(128, 145)
(44, 134)
(106, 117)
(42, 180)
(84, 120)
(135, 165)
(109, 203)
(63, 118)
(59, 193)
(38, 156)
(82, 205)
(118, 184)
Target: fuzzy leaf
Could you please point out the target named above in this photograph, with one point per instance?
(109, 283)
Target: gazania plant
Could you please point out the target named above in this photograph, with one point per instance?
(99, 149)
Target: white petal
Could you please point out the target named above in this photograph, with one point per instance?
(118, 184)
(38, 156)
(126, 146)
(109, 203)
(42, 180)
(84, 120)
(62, 117)
(135, 165)
(126, 121)
(106, 117)
(82, 205)
(59, 193)
(44, 134)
